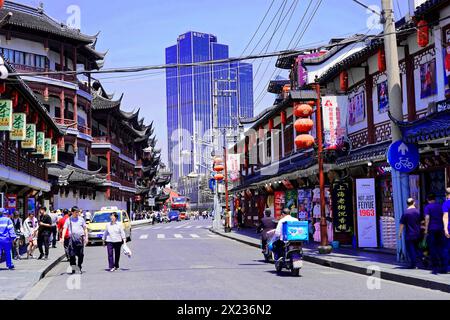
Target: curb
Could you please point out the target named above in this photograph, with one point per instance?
(427, 284)
(42, 274)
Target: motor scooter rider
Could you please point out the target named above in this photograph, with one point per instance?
(7, 236)
(266, 226)
(278, 243)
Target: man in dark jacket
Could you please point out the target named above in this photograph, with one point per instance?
(267, 224)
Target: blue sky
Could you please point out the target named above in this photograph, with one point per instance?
(136, 32)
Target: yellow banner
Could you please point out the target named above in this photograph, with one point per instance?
(19, 127)
(30, 140)
(6, 115)
(48, 149)
(40, 141)
(54, 153)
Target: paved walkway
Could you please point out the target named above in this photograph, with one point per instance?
(358, 261)
(14, 284)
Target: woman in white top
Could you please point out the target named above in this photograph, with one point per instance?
(30, 229)
(114, 237)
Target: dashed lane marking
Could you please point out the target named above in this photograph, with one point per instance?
(195, 236)
(178, 236)
(161, 236)
(143, 237)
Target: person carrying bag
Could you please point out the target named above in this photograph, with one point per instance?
(114, 237)
(77, 239)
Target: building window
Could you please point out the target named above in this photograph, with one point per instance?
(289, 137)
(81, 154)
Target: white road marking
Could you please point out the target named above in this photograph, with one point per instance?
(213, 235)
(188, 227)
(167, 228)
(178, 236)
(198, 227)
(161, 236)
(156, 228)
(143, 237)
(195, 236)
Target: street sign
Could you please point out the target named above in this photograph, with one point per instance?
(403, 157)
(212, 184)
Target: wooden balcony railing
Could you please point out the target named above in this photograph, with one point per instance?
(24, 68)
(66, 122)
(123, 182)
(104, 139)
(85, 130)
(10, 157)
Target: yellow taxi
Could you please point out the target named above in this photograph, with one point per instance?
(97, 226)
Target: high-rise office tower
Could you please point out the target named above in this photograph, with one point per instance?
(190, 98)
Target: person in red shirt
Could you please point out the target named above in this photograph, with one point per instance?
(61, 223)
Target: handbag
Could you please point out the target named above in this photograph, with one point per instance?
(126, 250)
(423, 245)
(75, 241)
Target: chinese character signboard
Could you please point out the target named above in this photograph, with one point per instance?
(30, 139)
(54, 153)
(342, 207)
(446, 58)
(6, 115)
(366, 213)
(48, 149)
(356, 108)
(40, 141)
(19, 127)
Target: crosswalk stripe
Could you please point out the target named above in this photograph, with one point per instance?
(198, 227)
(167, 227)
(161, 236)
(143, 237)
(178, 236)
(195, 236)
(156, 228)
(178, 227)
(213, 235)
(188, 227)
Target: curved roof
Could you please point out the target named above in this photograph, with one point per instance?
(101, 103)
(35, 19)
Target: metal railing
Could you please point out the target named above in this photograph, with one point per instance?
(85, 130)
(65, 122)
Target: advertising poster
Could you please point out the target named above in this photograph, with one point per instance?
(366, 213)
(279, 203)
(356, 109)
(31, 205)
(428, 85)
(6, 115)
(446, 58)
(19, 127)
(334, 121)
(414, 188)
(291, 202)
(342, 207)
(233, 164)
(383, 97)
(30, 139)
(304, 204)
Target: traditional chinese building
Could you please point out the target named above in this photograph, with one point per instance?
(28, 140)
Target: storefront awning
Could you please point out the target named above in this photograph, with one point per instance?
(373, 152)
(12, 176)
(432, 127)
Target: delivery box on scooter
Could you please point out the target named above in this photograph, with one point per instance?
(295, 231)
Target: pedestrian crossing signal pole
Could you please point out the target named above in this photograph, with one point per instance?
(400, 181)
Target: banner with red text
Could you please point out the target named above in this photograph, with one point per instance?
(366, 213)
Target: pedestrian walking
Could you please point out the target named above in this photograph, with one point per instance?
(30, 230)
(239, 218)
(44, 233)
(65, 240)
(7, 237)
(54, 229)
(18, 229)
(410, 223)
(113, 238)
(434, 231)
(78, 238)
(88, 216)
(446, 252)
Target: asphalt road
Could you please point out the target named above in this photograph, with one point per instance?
(184, 261)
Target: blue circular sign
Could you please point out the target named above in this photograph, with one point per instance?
(403, 157)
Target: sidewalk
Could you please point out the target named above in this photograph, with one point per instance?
(14, 284)
(358, 261)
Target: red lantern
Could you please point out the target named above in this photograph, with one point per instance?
(304, 141)
(218, 168)
(46, 95)
(303, 110)
(218, 177)
(343, 81)
(283, 118)
(2, 2)
(422, 33)
(2, 87)
(381, 60)
(15, 98)
(303, 125)
(218, 160)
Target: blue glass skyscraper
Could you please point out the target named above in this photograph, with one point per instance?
(190, 99)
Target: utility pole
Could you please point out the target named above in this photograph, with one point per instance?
(400, 181)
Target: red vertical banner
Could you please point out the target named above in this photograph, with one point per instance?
(280, 198)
